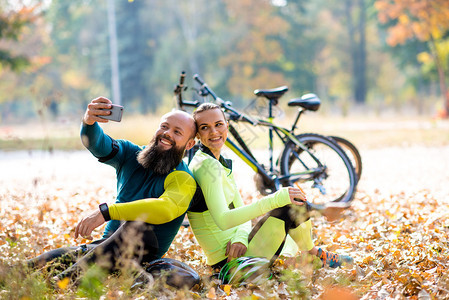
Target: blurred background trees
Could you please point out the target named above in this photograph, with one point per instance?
(378, 55)
(425, 22)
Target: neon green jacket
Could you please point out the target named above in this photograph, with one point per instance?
(224, 218)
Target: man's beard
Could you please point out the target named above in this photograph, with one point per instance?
(160, 161)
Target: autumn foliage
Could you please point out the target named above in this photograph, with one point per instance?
(425, 20)
(397, 232)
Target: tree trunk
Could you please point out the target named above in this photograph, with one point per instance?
(357, 42)
(115, 76)
(441, 77)
(360, 88)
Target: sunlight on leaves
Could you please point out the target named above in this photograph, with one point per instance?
(62, 284)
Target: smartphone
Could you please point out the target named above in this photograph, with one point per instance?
(116, 113)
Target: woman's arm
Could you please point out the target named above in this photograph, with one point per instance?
(209, 177)
(243, 230)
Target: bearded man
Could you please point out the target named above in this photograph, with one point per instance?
(154, 190)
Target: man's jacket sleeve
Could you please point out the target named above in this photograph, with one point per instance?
(95, 140)
(179, 189)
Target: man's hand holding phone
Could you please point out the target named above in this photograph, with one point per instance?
(102, 110)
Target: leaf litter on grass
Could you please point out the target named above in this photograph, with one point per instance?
(397, 236)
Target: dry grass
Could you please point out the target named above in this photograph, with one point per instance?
(365, 132)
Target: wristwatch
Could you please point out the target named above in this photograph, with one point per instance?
(104, 209)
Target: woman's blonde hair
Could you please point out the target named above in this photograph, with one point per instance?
(206, 106)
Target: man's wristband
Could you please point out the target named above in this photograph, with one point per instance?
(104, 209)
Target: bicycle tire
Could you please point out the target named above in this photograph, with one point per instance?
(352, 152)
(337, 180)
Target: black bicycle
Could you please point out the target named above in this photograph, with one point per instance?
(314, 161)
(350, 149)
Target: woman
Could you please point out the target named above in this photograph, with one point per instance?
(222, 223)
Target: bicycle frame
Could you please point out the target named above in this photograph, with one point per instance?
(246, 155)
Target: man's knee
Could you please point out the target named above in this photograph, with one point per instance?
(133, 239)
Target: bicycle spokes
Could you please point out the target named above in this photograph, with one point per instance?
(321, 166)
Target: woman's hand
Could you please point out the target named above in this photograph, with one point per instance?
(297, 195)
(235, 250)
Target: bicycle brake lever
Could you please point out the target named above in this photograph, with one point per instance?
(203, 92)
(232, 116)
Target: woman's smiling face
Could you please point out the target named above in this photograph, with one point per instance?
(212, 129)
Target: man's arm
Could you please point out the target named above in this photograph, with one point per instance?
(88, 224)
(95, 109)
(92, 136)
(179, 189)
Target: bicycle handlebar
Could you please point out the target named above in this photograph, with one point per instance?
(235, 116)
(198, 79)
(182, 78)
(178, 92)
(178, 89)
(205, 87)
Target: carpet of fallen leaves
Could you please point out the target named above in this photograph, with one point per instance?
(397, 229)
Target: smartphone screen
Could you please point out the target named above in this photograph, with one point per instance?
(116, 113)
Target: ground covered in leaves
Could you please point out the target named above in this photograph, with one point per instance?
(397, 230)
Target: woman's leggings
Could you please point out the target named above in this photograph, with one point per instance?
(267, 238)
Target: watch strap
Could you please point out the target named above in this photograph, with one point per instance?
(104, 209)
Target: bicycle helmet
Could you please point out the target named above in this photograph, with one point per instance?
(177, 273)
(244, 270)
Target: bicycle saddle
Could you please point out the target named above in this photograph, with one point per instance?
(307, 101)
(272, 94)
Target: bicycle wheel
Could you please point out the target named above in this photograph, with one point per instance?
(322, 169)
(352, 152)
